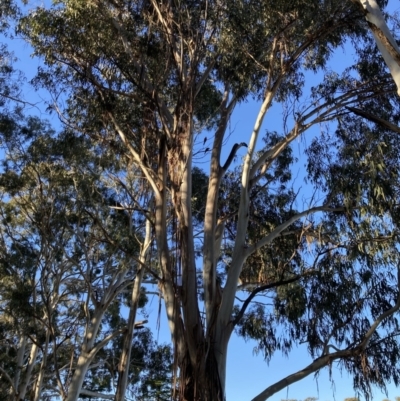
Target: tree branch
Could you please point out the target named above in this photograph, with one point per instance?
(266, 159)
(232, 154)
(269, 156)
(277, 231)
(112, 242)
(205, 75)
(238, 256)
(152, 180)
(7, 376)
(103, 342)
(210, 214)
(375, 119)
(171, 37)
(328, 358)
(301, 374)
(264, 288)
(383, 316)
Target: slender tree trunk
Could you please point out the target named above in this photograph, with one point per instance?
(123, 367)
(20, 362)
(39, 380)
(28, 374)
(88, 352)
(80, 371)
(85, 357)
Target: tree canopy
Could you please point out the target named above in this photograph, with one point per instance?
(118, 203)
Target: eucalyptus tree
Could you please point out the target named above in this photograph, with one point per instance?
(146, 78)
(69, 250)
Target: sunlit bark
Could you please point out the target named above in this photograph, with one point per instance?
(383, 37)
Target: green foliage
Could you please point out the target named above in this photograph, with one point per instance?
(7, 9)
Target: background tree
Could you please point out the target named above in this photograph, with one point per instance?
(68, 257)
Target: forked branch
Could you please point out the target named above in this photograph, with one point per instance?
(278, 230)
(265, 288)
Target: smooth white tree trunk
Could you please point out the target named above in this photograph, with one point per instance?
(86, 356)
(383, 37)
(20, 360)
(28, 374)
(39, 380)
(81, 369)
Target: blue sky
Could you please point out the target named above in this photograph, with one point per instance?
(247, 374)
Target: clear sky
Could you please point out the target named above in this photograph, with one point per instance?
(247, 374)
